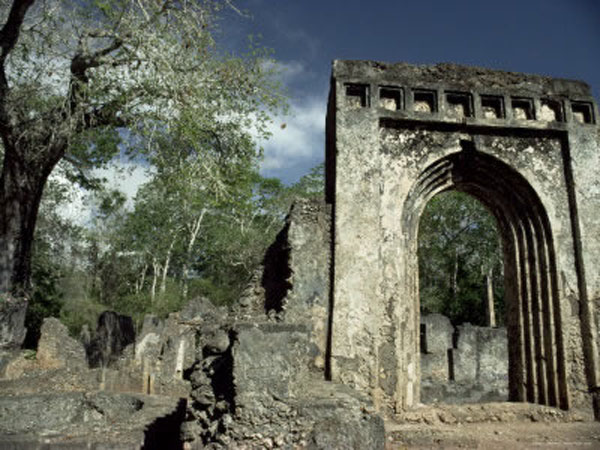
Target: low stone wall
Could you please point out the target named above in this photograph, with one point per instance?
(466, 364)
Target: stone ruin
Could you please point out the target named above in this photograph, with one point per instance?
(463, 364)
(527, 147)
(325, 342)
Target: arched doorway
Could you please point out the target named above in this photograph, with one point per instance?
(396, 135)
(463, 339)
(536, 351)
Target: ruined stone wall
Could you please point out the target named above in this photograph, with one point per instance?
(399, 134)
(466, 364)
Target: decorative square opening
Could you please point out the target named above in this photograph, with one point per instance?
(523, 108)
(582, 112)
(357, 95)
(424, 101)
(391, 98)
(460, 104)
(492, 107)
(551, 111)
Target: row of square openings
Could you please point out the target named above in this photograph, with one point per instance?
(460, 104)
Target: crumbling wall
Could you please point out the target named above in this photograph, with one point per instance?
(296, 273)
(216, 381)
(113, 333)
(466, 364)
(436, 340)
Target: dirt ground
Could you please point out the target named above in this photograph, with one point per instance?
(492, 426)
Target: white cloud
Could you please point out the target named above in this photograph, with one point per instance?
(290, 71)
(127, 177)
(74, 210)
(296, 139)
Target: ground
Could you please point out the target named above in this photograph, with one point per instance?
(492, 426)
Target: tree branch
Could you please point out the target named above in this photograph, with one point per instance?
(81, 62)
(9, 35)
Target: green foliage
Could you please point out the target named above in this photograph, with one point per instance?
(46, 298)
(88, 80)
(220, 294)
(458, 246)
(146, 80)
(198, 227)
(78, 312)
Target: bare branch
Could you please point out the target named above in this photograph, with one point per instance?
(235, 8)
(9, 35)
(83, 61)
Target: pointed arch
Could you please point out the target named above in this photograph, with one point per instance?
(537, 372)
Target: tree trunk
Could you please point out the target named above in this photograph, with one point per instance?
(155, 272)
(165, 270)
(186, 265)
(455, 276)
(139, 285)
(21, 187)
(490, 313)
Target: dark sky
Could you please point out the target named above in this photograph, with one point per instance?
(559, 38)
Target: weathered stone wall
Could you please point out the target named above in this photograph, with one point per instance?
(436, 338)
(466, 364)
(584, 159)
(296, 275)
(481, 355)
(215, 381)
(399, 134)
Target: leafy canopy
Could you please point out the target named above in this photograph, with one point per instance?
(458, 246)
(82, 70)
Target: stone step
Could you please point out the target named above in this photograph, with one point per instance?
(504, 412)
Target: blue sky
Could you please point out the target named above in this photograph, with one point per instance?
(559, 38)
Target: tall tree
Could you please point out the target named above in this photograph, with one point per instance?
(75, 73)
(199, 225)
(459, 249)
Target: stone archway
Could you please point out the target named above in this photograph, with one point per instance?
(523, 145)
(536, 351)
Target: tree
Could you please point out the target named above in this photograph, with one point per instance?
(198, 227)
(459, 247)
(75, 74)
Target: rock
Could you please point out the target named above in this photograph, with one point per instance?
(164, 353)
(147, 347)
(113, 334)
(85, 336)
(203, 397)
(216, 342)
(341, 433)
(269, 360)
(202, 309)
(12, 322)
(14, 364)
(56, 349)
(152, 324)
(77, 420)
